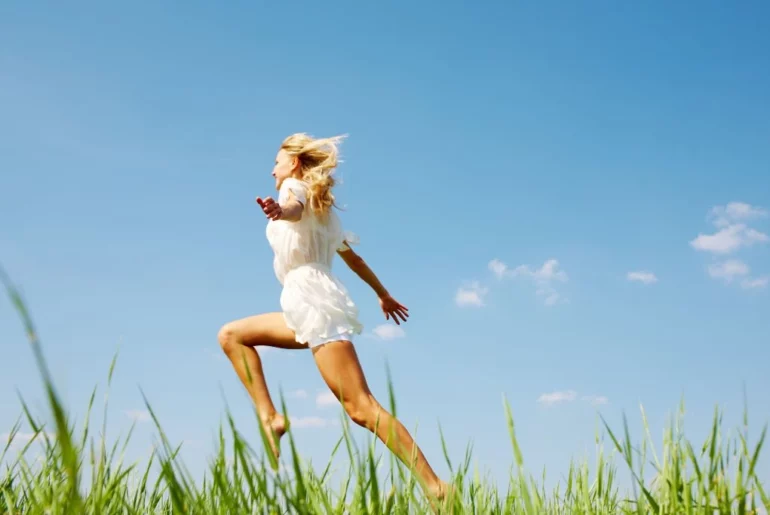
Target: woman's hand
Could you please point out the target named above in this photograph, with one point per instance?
(393, 309)
(271, 208)
(290, 211)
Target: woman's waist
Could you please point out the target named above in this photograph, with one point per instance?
(317, 266)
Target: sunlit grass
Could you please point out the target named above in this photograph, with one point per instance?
(84, 474)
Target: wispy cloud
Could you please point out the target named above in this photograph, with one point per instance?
(138, 415)
(548, 272)
(733, 234)
(557, 397)
(388, 332)
(565, 396)
(723, 216)
(756, 283)
(643, 277)
(471, 295)
(728, 270)
(498, 268)
(596, 400)
(325, 399)
(543, 277)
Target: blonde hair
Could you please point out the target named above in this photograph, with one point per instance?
(317, 160)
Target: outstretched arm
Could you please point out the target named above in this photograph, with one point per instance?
(390, 307)
(290, 210)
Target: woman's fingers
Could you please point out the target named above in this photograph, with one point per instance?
(264, 203)
(395, 314)
(271, 208)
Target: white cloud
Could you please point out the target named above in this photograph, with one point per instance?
(471, 294)
(324, 399)
(732, 269)
(596, 400)
(755, 283)
(728, 270)
(732, 235)
(557, 397)
(549, 399)
(543, 277)
(729, 239)
(138, 415)
(735, 211)
(642, 277)
(733, 232)
(546, 273)
(388, 332)
(499, 268)
(305, 422)
(754, 236)
(551, 297)
(297, 394)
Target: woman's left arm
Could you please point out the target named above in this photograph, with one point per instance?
(390, 307)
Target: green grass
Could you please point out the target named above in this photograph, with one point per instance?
(79, 473)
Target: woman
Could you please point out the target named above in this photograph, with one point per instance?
(317, 313)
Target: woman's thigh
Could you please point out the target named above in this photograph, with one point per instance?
(341, 370)
(268, 329)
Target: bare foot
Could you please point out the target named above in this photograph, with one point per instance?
(275, 427)
(441, 496)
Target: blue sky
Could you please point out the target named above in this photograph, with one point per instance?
(507, 167)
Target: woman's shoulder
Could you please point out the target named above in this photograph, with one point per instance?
(297, 187)
(292, 183)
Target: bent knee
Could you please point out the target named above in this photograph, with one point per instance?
(228, 337)
(363, 410)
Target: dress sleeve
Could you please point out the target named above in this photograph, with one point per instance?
(294, 186)
(342, 239)
(347, 238)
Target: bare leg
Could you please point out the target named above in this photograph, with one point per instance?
(238, 339)
(340, 368)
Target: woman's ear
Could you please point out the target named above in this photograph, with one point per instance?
(295, 164)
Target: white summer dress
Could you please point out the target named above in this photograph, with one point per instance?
(315, 304)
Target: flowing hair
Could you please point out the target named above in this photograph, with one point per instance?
(317, 160)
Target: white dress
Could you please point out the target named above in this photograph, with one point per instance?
(315, 304)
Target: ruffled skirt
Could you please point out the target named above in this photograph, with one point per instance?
(317, 307)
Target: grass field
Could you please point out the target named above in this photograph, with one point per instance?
(78, 473)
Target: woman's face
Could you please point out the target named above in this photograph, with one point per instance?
(285, 166)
